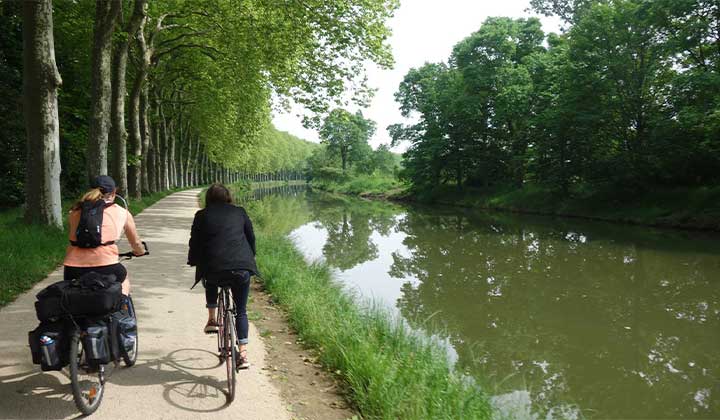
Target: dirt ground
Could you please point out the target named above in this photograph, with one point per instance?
(305, 386)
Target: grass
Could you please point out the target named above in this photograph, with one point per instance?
(363, 185)
(31, 252)
(391, 372)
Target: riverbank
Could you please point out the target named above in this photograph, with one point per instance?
(30, 252)
(386, 370)
(683, 208)
(361, 185)
(389, 371)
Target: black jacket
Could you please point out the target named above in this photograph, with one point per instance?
(222, 238)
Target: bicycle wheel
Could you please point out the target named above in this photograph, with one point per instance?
(220, 315)
(87, 382)
(130, 357)
(230, 354)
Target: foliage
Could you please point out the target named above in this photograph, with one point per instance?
(359, 184)
(215, 73)
(12, 133)
(346, 135)
(626, 98)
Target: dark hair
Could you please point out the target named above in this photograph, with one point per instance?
(217, 194)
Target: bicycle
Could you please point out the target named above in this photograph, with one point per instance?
(227, 338)
(88, 379)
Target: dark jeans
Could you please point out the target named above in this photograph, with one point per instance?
(239, 282)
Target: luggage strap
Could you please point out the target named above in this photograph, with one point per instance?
(75, 243)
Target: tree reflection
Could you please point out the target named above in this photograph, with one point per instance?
(349, 224)
(622, 328)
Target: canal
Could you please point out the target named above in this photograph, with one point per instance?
(556, 318)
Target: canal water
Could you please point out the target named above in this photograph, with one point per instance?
(556, 318)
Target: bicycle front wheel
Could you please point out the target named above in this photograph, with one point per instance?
(88, 385)
(230, 353)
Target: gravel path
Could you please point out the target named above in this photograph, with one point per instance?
(177, 375)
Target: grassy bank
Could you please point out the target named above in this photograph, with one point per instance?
(390, 372)
(31, 252)
(688, 208)
(362, 185)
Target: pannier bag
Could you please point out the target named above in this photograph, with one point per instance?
(48, 306)
(125, 331)
(96, 343)
(49, 346)
(93, 294)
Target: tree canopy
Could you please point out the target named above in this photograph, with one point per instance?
(202, 79)
(627, 97)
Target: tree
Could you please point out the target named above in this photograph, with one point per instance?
(41, 81)
(347, 135)
(106, 15)
(118, 133)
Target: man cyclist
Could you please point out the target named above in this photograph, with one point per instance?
(222, 247)
(102, 259)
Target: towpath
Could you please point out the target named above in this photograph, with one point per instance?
(177, 374)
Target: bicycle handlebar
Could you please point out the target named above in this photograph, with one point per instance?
(129, 255)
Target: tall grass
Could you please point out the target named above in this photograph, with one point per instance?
(30, 252)
(391, 372)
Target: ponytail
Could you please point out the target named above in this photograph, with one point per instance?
(93, 195)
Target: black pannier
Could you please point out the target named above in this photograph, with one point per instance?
(97, 343)
(49, 345)
(93, 294)
(48, 306)
(124, 332)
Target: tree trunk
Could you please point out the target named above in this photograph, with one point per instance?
(118, 133)
(188, 162)
(106, 14)
(171, 154)
(180, 160)
(157, 152)
(163, 150)
(41, 80)
(145, 136)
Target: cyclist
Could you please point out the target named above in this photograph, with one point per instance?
(102, 259)
(222, 247)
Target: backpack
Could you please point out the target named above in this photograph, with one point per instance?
(89, 231)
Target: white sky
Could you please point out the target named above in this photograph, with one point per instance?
(423, 31)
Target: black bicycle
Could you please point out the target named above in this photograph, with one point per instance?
(88, 378)
(227, 337)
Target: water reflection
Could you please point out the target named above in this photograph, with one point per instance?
(586, 319)
(604, 324)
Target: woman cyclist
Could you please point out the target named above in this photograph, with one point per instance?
(102, 259)
(222, 247)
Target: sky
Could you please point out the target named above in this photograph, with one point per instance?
(422, 31)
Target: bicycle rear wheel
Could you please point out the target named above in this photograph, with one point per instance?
(130, 357)
(88, 384)
(230, 354)
(220, 315)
